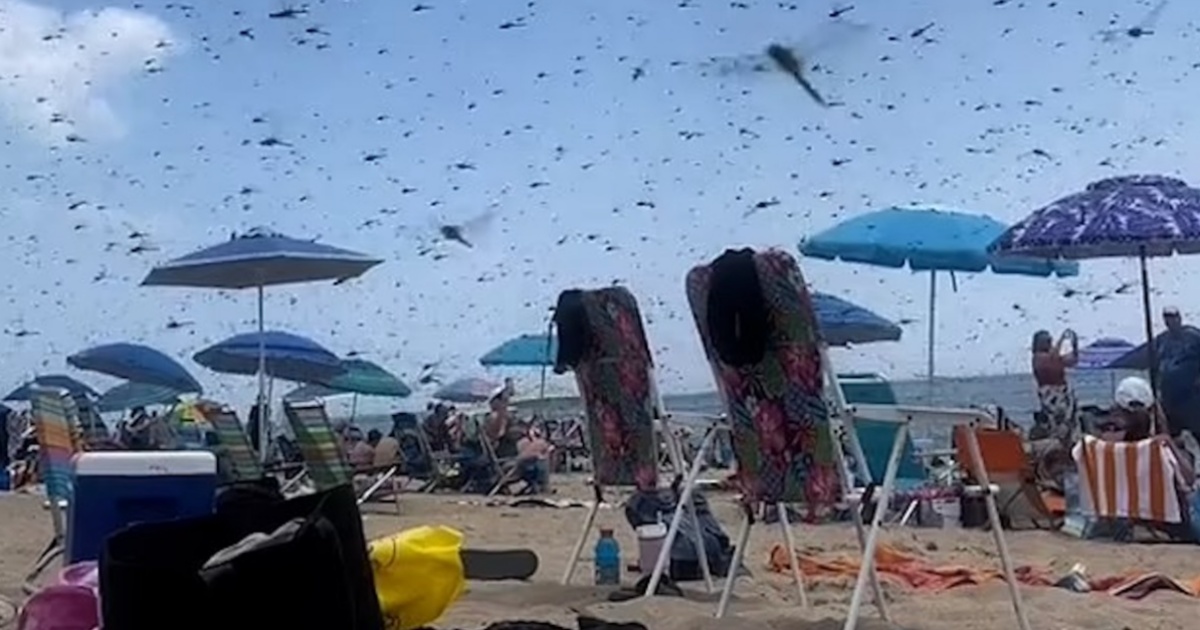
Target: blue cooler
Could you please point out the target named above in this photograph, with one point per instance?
(115, 489)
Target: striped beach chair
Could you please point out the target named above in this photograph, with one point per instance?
(54, 418)
(235, 456)
(324, 460)
(1135, 482)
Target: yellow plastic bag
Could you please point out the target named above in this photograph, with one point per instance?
(418, 574)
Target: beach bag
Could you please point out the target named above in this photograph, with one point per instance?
(646, 508)
(70, 602)
(300, 563)
(418, 574)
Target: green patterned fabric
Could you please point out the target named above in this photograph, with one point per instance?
(780, 424)
(616, 383)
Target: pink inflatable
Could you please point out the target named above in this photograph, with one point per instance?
(70, 602)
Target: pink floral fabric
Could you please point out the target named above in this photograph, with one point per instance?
(616, 382)
(779, 420)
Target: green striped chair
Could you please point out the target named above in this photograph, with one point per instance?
(323, 457)
(238, 461)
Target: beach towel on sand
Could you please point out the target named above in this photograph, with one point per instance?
(602, 339)
(771, 381)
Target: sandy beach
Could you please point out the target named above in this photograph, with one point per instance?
(766, 600)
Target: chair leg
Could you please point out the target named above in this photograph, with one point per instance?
(684, 502)
(989, 501)
(53, 551)
(577, 551)
(735, 565)
(790, 541)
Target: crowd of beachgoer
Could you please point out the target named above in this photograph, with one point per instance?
(1135, 412)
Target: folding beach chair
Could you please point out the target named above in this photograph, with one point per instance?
(1137, 483)
(58, 442)
(756, 321)
(602, 340)
(323, 458)
(236, 459)
(1011, 474)
(415, 447)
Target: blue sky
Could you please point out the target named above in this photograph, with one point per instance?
(594, 177)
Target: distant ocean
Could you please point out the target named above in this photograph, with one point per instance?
(1013, 392)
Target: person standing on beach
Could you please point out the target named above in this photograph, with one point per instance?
(1057, 400)
(1178, 350)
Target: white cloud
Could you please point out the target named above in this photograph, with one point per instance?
(56, 67)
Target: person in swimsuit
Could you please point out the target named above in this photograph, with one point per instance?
(1057, 400)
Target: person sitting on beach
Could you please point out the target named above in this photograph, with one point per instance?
(1134, 409)
(1057, 400)
(533, 460)
(360, 453)
(387, 449)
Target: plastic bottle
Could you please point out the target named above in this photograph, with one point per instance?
(608, 559)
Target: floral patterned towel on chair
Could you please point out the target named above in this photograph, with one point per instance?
(779, 419)
(615, 375)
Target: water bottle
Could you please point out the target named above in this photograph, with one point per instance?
(608, 559)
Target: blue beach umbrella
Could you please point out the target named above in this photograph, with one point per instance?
(60, 381)
(1136, 216)
(130, 395)
(257, 259)
(280, 354)
(926, 239)
(530, 350)
(844, 323)
(360, 376)
(136, 363)
(1103, 353)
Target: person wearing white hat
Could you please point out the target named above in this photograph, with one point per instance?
(1178, 350)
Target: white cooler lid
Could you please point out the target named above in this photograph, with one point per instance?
(145, 463)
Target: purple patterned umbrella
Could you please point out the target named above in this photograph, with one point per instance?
(1134, 215)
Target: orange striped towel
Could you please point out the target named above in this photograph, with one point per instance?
(1128, 480)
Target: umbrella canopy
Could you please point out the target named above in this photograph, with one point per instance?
(366, 378)
(925, 239)
(1132, 215)
(61, 381)
(285, 356)
(467, 390)
(1102, 353)
(136, 363)
(312, 391)
(131, 395)
(526, 350)
(844, 323)
(258, 258)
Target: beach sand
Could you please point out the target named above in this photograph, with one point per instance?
(765, 601)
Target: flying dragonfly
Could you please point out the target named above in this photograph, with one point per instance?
(1141, 29)
(470, 231)
(798, 60)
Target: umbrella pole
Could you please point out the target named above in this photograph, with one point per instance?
(546, 359)
(929, 366)
(264, 434)
(1153, 354)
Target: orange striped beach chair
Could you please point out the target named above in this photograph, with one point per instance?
(1139, 483)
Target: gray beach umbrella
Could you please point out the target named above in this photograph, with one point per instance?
(257, 259)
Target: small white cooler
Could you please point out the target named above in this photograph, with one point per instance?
(116, 489)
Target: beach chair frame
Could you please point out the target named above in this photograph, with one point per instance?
(663, 436)
(323, 457)
(54, 417)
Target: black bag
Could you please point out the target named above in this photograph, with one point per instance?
(644, 508)
(310, 570)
